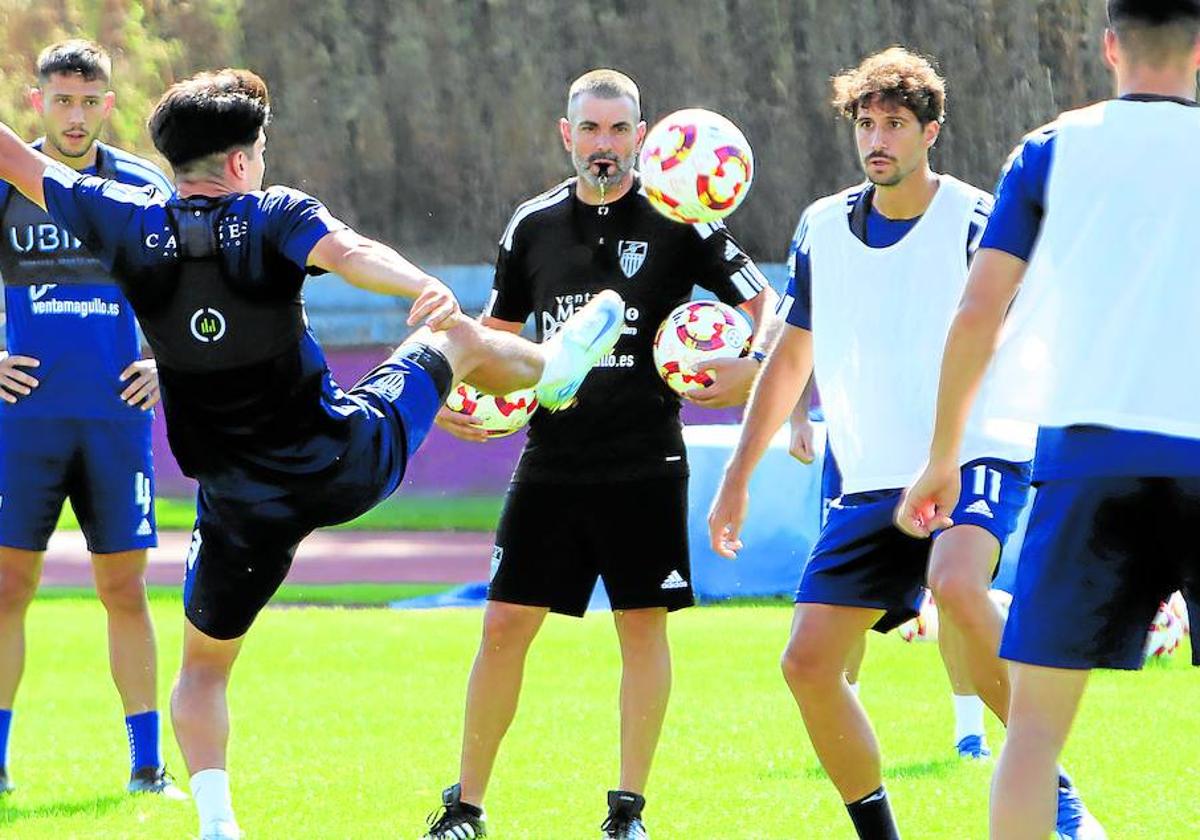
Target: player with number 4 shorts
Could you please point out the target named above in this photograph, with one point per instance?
(75, 419)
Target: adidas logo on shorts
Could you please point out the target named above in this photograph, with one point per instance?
(980, 508)
(143, 530)
(674, 581)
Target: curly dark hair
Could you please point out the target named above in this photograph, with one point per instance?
(208, 114)
(894, 76)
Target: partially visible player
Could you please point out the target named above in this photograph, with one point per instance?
(970, 738)
(75, 418)
(1095, 223)
(877, 271)
(617, 460)
(214, 274)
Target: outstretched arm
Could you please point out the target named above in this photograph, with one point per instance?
(991, 286)
(775, 394)
(378, 268)
(23, 166)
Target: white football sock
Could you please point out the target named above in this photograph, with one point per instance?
(210, 790)
(968, 716)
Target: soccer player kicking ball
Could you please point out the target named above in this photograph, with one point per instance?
(214, 274)
(619, 451)
(878, 270)
(1095, 223)
(75, 420)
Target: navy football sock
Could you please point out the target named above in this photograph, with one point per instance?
(872, 817)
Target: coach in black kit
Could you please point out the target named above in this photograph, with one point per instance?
(601, 489)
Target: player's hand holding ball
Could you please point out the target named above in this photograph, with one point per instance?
(435, 307)
(14, 382)
(472, 415)
(700, 351)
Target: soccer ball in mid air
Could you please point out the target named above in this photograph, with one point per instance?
(695, 333)
(696, 166)
(498, 415)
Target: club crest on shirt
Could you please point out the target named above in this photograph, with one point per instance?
(631, 254)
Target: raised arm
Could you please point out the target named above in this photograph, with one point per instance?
(378, 268)
(23, 166)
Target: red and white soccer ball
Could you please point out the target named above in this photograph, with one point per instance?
(498, 415)
(696, 166)
(1177, 605)
(695, 333)
(1166, 630)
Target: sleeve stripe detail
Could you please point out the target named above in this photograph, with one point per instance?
(756, 277)
(527, 209)
(490, 306)
(705, 229)
(785, 305)
(744, 285)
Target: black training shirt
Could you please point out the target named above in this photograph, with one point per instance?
(555, 254)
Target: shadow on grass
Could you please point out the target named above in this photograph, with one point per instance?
(911, 770)
(12, 812)
(922, 769)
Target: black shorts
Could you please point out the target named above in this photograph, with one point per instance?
(247, 531)
(555, 540)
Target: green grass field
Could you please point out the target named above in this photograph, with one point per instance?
(346, 725)
(410, 513)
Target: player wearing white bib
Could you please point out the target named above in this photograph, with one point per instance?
(886, 262)
(1095, 222)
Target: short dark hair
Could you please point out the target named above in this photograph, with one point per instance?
(894, 76)
(606, 84)
(208, 114)
(1153, 12)
(1155, 31)
(75, 56)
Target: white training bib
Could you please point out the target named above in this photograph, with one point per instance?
(880, 318)
(1105, 328)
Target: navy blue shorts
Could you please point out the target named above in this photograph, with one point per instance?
(1099, 556)
(103, 466)
(862, 559)
(245, 537)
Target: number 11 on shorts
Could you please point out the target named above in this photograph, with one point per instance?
(987, 482)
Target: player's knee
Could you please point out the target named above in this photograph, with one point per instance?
(509, 629)
(125, 594)
(17, 588)
(642, 629)
(806, 662)
(198, 672)
(958, 591)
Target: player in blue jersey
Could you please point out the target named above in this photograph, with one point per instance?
(1095, 224)
(877, 271)
(75, 417)
(214, 273)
